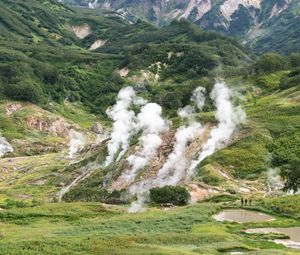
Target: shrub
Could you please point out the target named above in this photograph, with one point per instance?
(269, 63)
(10, 203)
(224, 198)
(291, 80)
(24, 91)
(175, 195)
(295, 59)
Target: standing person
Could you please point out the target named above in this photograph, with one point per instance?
(246, 201)
(242, 201)
(250, 201)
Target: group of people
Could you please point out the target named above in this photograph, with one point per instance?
(246, 201)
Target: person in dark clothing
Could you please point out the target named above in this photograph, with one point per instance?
(250, 201)
(246, 201)
(242, 201)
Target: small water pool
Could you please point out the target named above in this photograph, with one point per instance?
(292, 232)
(242, 216)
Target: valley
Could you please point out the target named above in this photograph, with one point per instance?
(121, 137)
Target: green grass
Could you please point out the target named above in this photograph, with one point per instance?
(287, 205)
(89, 228)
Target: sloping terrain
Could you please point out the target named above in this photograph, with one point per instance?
(86, 132)
(264, 25)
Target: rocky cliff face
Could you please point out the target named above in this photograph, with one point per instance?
(256, 22)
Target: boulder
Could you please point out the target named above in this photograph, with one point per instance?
(97, 128)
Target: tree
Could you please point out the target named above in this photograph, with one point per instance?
(24, 91)
(175, 195)
(293, 176)
(295, 59)
(270, 62)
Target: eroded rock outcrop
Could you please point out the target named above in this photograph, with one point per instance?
(56, 127)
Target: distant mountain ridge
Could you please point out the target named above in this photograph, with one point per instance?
(262, 24)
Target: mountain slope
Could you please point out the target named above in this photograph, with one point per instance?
(73, 91)
(164, 65)
(262, 24)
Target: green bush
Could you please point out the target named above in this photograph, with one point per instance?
(24, 91)
(291, 80)
(10, 203)
(295, 59)
(270, 62)
(285, 148)
(293, 176)
(175, 195)
(223, 198)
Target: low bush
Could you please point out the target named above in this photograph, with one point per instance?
(175, 195)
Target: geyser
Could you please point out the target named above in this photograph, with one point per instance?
(177, 167)
(150, 120)
(124, 125)
(228, 116)
(174, 169)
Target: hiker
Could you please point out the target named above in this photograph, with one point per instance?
(250, 201)
(246, 201)
(242, 201)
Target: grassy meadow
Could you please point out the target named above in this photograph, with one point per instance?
(94, 228)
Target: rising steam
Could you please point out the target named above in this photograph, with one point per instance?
(178, 167)
(174, 169)
(124, 123)
(150, 120)
(228, 116)
(5, 147)
(274, 181)
(77, 142)
(199, 97)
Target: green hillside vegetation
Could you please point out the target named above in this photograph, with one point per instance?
(59, 67)
(52, 70)
(55, 76)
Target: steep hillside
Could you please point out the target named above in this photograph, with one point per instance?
(103, 117)
(84, 60)
(50, 85)
(71, 85)
(264, 25)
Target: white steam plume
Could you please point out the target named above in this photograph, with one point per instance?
(77, 142)
(5, 147)
(138, 205)
(199, 97)
(228, 116)
(150, 120)
(275, 182)
(124, 123)
(174, 169)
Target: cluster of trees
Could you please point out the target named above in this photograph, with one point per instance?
(286, 154)
(292, 175)
(36, 82)
(292, 79)
(58, 75)
(273, 62)
(175, 195)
